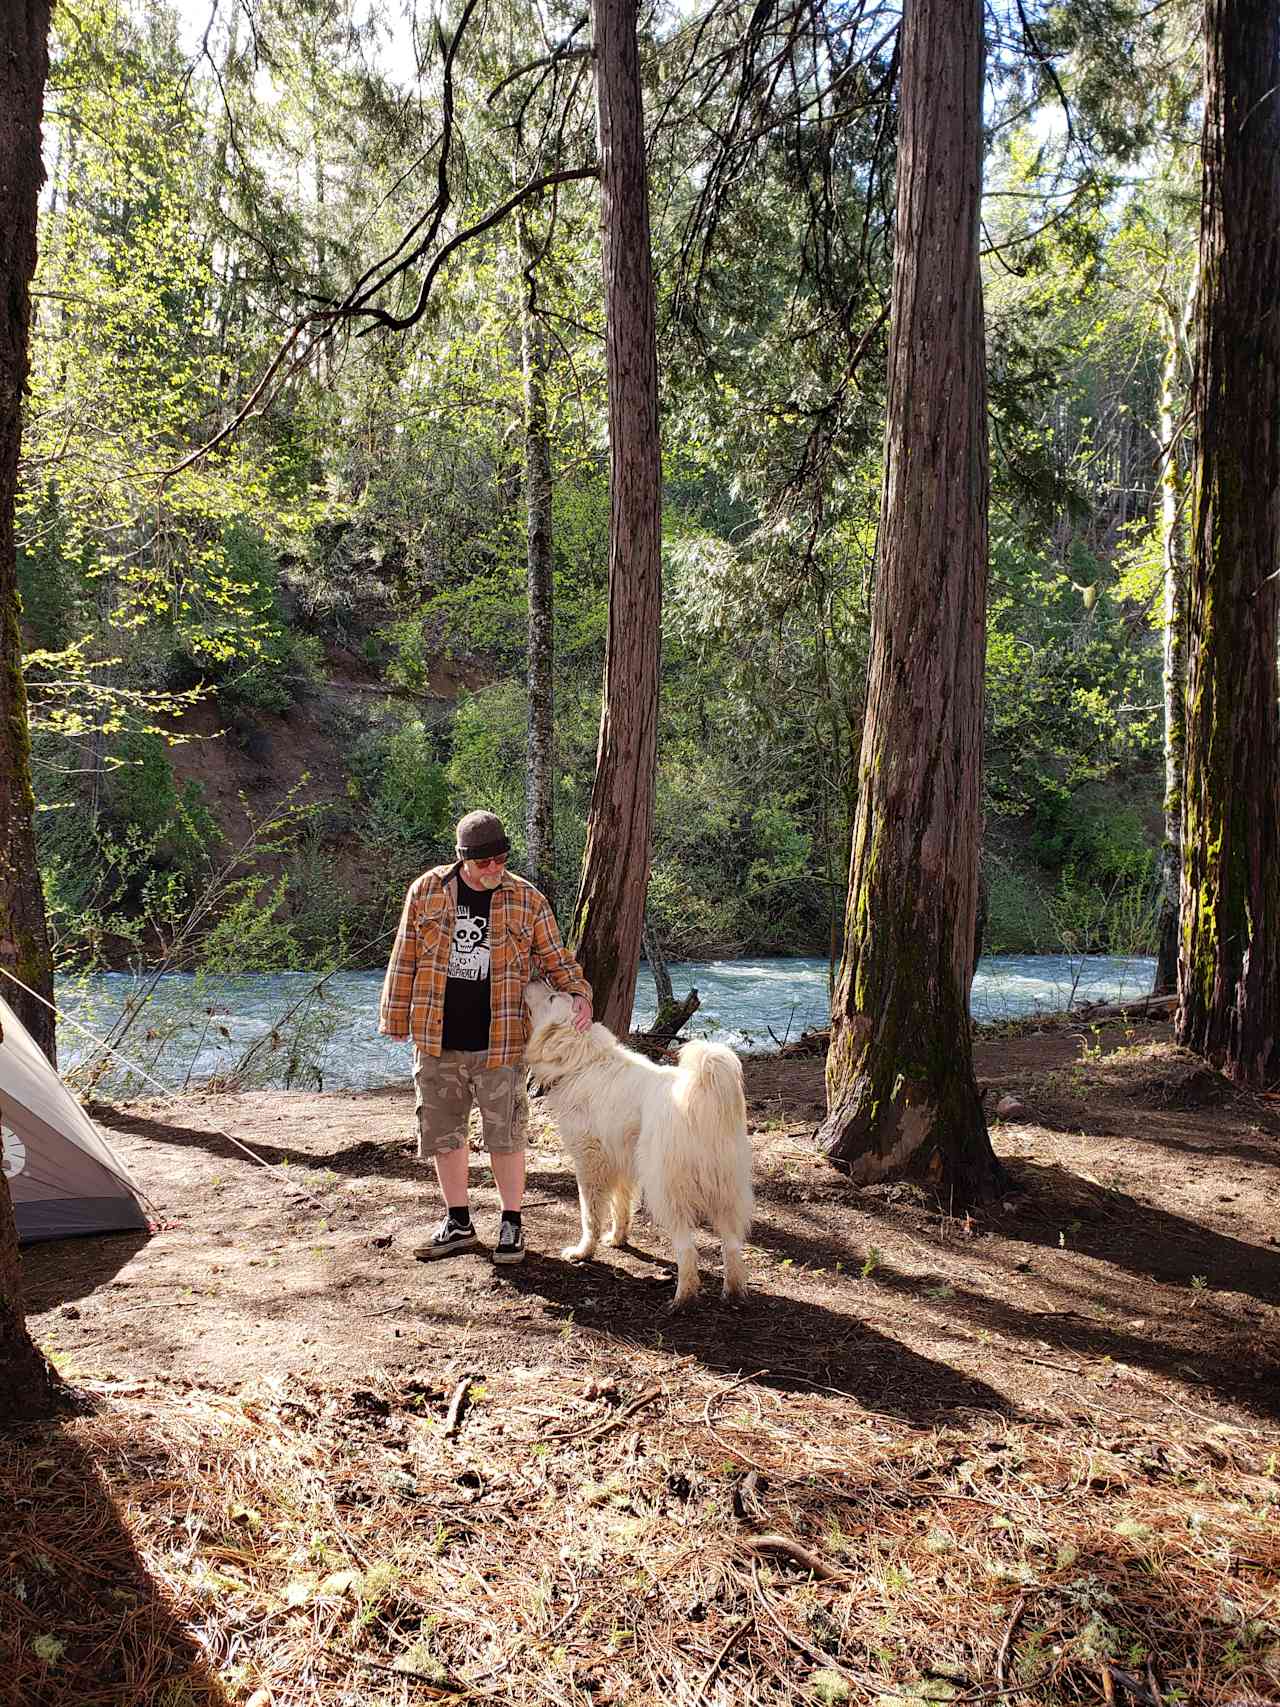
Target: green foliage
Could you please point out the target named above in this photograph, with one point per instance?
(1018, 917)
(253, 933)
(109, 899)
(1118, 913)
(401, 787)
(140, 794)
(730, 867)
(1071, 701)
(234, 638)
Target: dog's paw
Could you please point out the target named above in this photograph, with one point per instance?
(682, 1301)
(734, 1295)
(615, 1240)
(577, 1253)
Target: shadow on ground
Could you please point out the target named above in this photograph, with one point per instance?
(1092, 1237)
(49, 1278)
(786, 1342)
(82, 1624)
(397, 1157)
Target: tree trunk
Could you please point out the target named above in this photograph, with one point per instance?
(615, 875)
(29, 1389)
(1172, 496)
(901, 1092)
(1229, 969)
(24, 940)
(672, 1016)
(540, 819)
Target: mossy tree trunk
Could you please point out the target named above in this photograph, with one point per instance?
(1229, 967)
(540, 821)
(609, 914)
(901, 1093)
(24, 941)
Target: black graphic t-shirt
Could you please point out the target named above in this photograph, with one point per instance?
(466, 990)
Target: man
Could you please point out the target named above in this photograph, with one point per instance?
(472, 935)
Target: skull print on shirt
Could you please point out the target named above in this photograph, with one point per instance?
(469, 952)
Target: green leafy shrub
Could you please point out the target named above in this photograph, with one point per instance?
(254, 933)
(402, 787)
(233, 635)
(487, 766)
(1018, 916)
(1115, 914)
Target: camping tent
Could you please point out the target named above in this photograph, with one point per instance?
(62, 1175)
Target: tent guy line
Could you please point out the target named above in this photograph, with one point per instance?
(165, 1090)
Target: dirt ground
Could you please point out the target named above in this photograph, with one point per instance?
(934, 1461)
(1135, 1266)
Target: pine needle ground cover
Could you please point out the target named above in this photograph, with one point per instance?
(636, 1531)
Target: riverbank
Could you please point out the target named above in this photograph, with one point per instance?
(1055, 1422)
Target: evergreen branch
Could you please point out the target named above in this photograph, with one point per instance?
(1046, 65)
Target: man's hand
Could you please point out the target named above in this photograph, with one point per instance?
(581, 1013)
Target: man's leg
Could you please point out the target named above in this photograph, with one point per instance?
(504, 1110)
(443, 1108)
(508, 1175)
(453, 1170)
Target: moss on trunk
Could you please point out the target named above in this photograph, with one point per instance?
(1229, 963)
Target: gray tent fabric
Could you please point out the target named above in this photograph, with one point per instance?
(62, 1174)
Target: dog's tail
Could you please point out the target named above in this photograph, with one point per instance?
(710, 1164)
(713, 1097)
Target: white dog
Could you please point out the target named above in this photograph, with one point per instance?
(679, 1134)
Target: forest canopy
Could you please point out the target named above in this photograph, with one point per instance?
(296, 657)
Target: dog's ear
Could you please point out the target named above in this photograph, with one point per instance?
(553, 1044)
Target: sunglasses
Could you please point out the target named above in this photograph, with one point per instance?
(492, 859)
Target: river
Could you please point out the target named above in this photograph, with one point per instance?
(199, 1027)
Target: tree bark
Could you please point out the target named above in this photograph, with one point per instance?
(901, 1093)
(1172, 497)
(1229, 968)
(24, 939)
(610, 907)
(29, 1389)
(540, 816)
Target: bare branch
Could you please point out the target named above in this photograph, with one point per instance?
(556, 57)
(399, 322)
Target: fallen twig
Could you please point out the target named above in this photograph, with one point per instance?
(1019, 1607)
(713, 1398)
(453, 1419)
(447, 1687)
(1132, 1686)
(766, 1544)
(738, 1629)
(826, 1661)
(594, 1431)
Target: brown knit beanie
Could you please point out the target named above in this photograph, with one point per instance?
(480, 834)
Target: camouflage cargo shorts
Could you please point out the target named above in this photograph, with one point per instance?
(448, 1085)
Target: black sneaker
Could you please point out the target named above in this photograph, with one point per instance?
(510, 1245)
(450, 1239)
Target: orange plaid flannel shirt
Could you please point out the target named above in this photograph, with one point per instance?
(524, 943)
